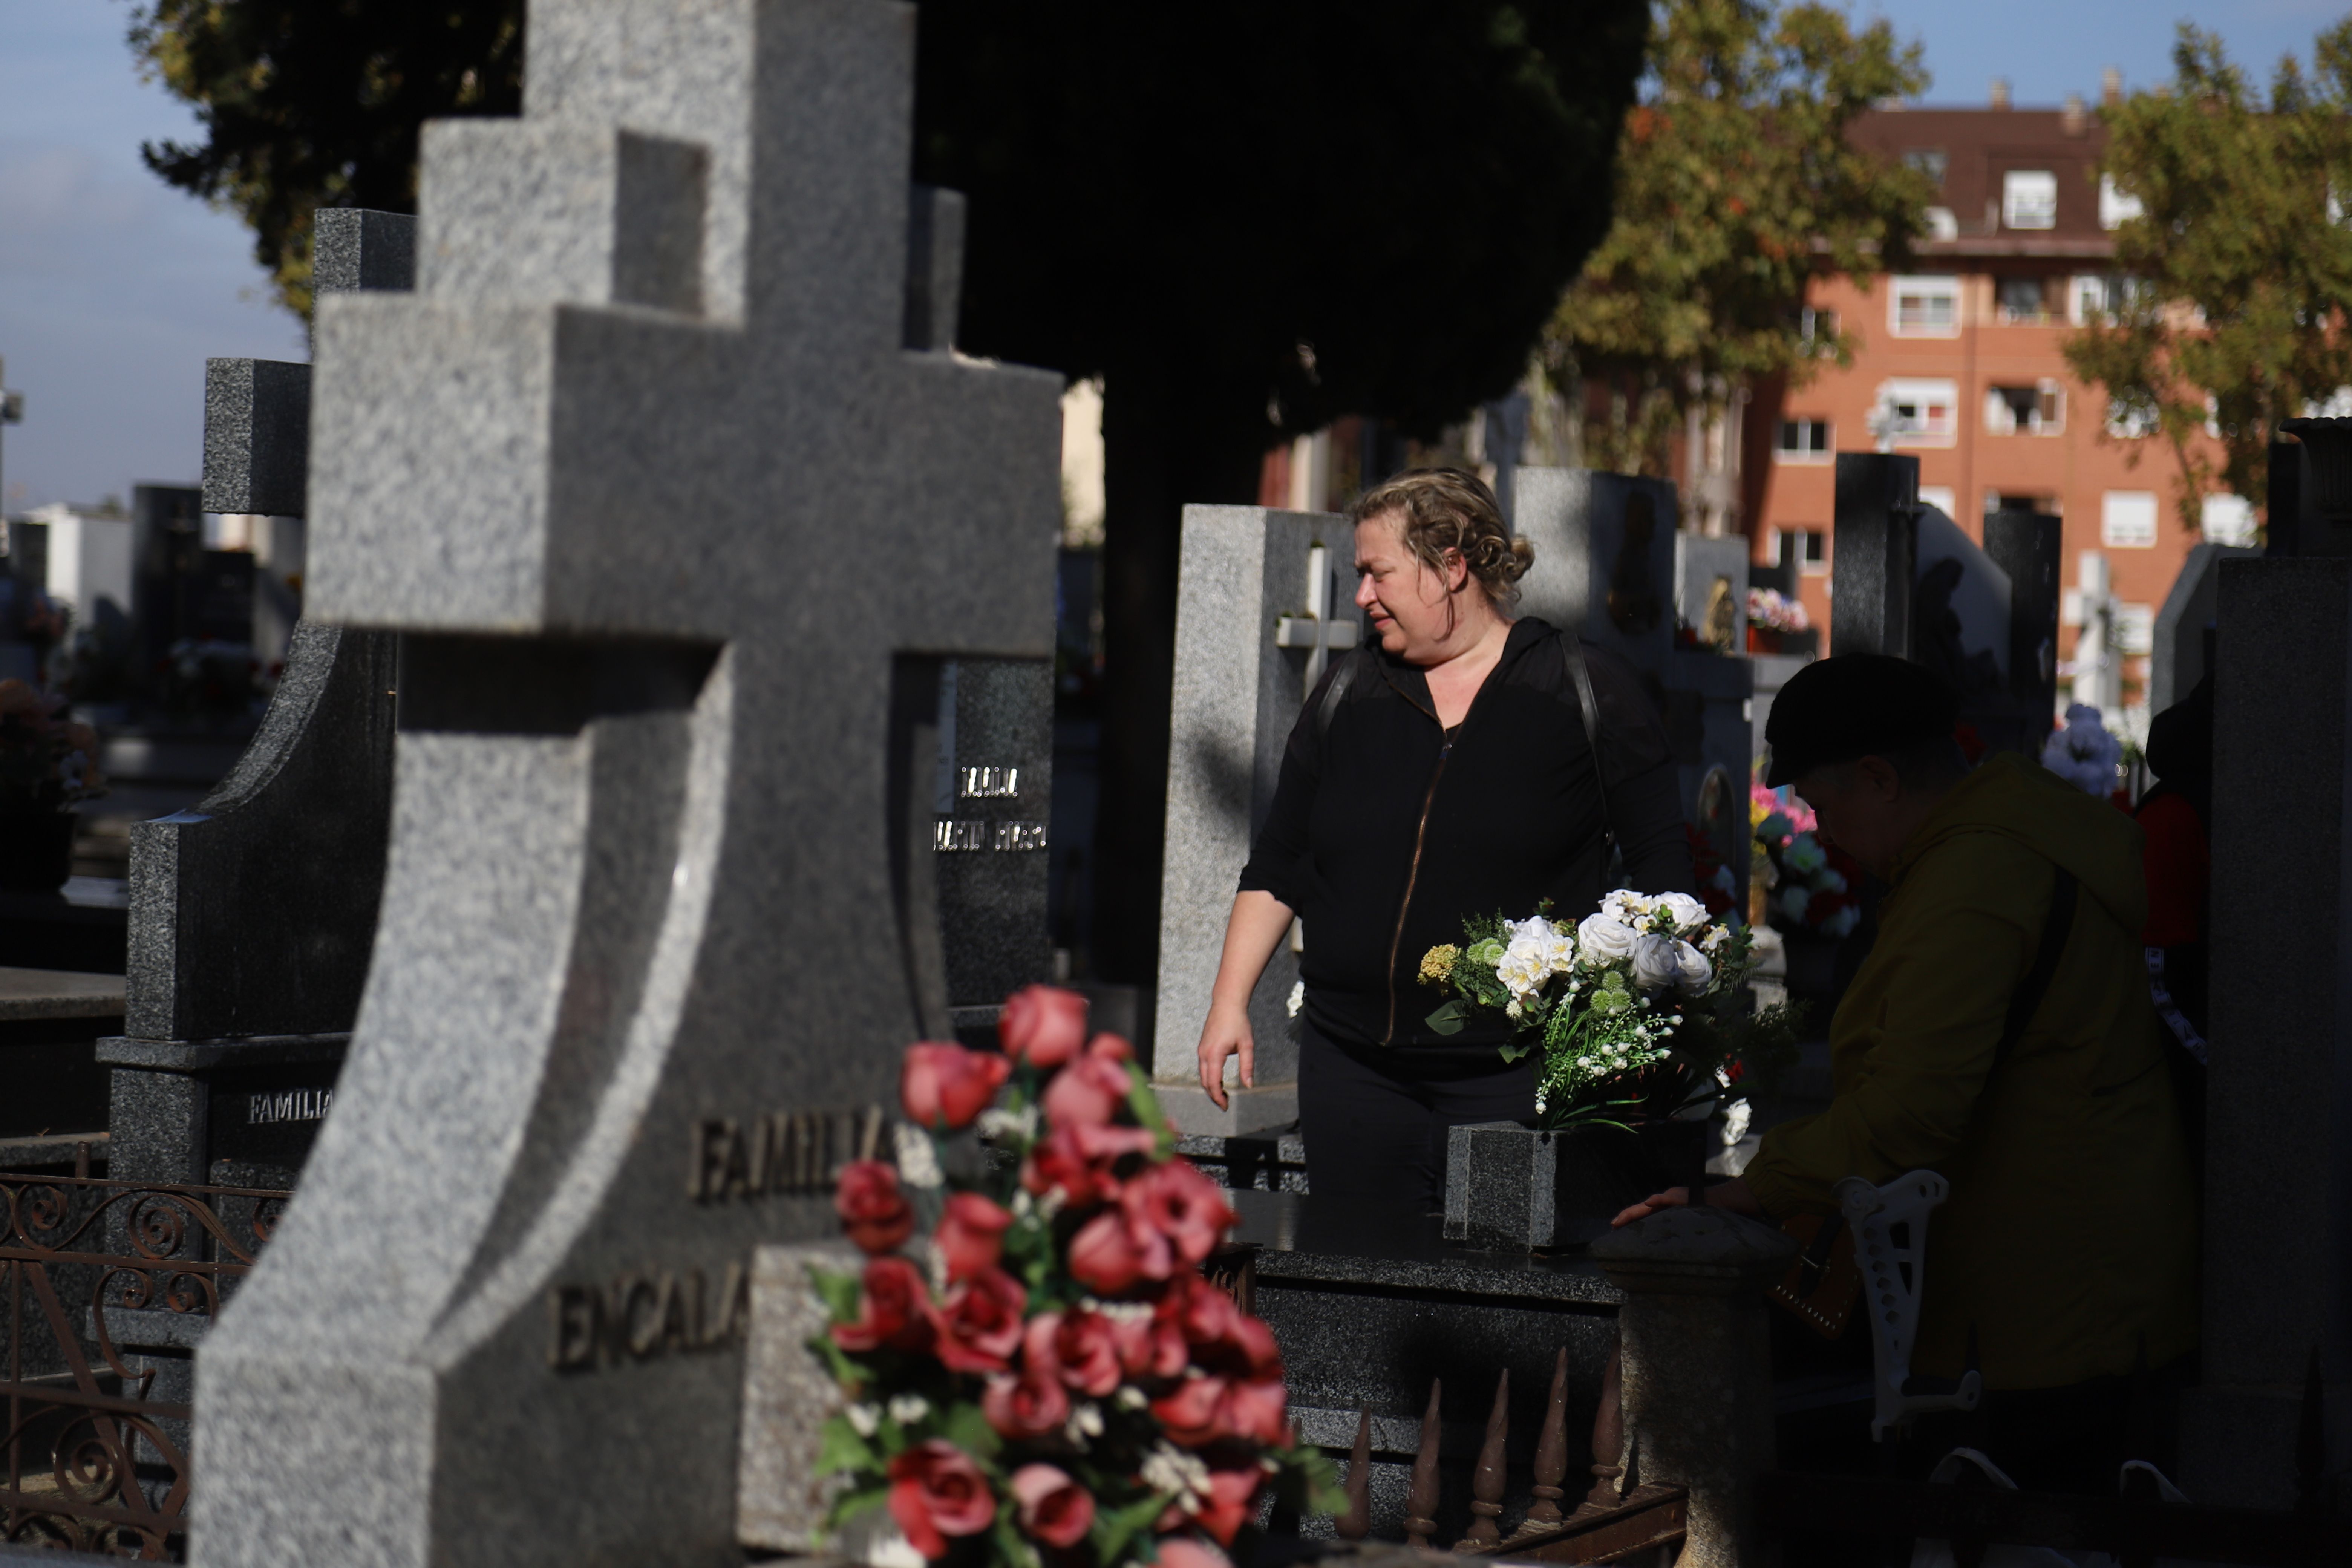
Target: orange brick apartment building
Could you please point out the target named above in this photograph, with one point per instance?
(1962, 357)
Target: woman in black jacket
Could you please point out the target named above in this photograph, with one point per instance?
(1443, 773)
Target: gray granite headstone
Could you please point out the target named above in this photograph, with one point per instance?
(252, 915)
(2185, 626)
(665, 509)
(1912, 584)
(2278, 1166)
(1251, 620)
(1608, 563)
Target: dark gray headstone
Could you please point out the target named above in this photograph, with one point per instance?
(2184, 626)
(253, 916)
(2278, 1166)
(257, 435)
(2029, 547)
(991, 806)
(355, 249)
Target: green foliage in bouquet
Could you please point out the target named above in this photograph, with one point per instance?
(1054, 1379)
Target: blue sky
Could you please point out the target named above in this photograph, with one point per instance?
(114, 288)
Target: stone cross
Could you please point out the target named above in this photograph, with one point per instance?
(677, 517)
(2098, 662)
(1245, 577)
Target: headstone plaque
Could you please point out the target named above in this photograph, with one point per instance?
(621, 471)
(992, 802)
(1262, 602)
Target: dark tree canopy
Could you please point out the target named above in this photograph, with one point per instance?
(1312, 209)
(1250, 217)
(310, 103)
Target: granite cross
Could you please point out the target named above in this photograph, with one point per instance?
(1316, 631)
(676, 522)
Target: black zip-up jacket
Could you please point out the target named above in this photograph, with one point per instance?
(1385, 832)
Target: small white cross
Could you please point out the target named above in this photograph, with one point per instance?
(1316, 631)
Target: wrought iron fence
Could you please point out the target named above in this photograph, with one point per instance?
(94, 1276)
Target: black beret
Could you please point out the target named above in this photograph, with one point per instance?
(1856, 705)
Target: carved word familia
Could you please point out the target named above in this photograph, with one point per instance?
(288, 1105)
(640, 1315)
(785, 1152)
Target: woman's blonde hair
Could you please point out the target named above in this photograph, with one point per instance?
(1445, 509)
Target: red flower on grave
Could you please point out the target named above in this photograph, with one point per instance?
(1104, 1257)
(1253, 1411)
(980, 1323)
(873, 1212)
(1023, 1405)
(1176, 1201)
(1042, 1026)
(1184, 1552)
(1087, 1092)
(894, 1310)
(936, 1491)
(1232, 1503)
(1190, 1412)
(1222, 1338)
(1150, 1346)
(1085, 1348)
(947, 1086)
(970, 1235)
(1080, 1160)
(1051, 1505)
(1110, 1049)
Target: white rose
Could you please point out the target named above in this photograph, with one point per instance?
(1602, 939)
(1655, 963)
(1546, 943)
(1522, 970)
(1689, 914)
(1693, 972)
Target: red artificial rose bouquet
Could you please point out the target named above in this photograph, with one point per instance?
(1054, 1382)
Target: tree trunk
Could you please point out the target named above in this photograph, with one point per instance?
(1165, 446)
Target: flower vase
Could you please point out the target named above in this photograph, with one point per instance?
(1510, 1187)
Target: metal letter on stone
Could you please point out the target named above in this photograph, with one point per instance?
(662, 482)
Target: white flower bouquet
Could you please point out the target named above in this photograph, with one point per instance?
(1642, 1009)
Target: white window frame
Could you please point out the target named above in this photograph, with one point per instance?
(1807, 566)
(1924, 429)
(2029, 199)
(1801, 456)
(2225, 518)
(2128, 520)
(2000, 418)
(1925, 287)
(2118, 207)
(1943, 498)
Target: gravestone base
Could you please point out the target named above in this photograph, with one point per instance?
(1258, 1109)
(1509, 1185)
(238, 1113)
(1368, 1306)
(1273, 1161)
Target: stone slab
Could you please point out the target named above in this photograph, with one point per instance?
(1246, 1110)
(257, 435)
(1604, 561)
(27, 994)
(780, 1497)
(1236, 698)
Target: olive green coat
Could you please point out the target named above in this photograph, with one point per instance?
(2070, 1237)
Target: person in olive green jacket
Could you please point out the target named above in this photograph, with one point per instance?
(2068, 1246)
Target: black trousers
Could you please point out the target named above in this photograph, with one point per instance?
(1374, 1117)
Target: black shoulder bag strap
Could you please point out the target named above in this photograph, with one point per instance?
(2027, 999)
(1333, 694)
(1591, 708)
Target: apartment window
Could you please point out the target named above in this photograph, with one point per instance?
(1941, 497)
(1804, 441)
(1920, 412)
(1930, 161)
(2117, 207)
(2022, 300)
(1813, 551)
(2089, 297)
(2127, 519)
(2227, 520)
(2029, 199)
(1926, 307)
(2036, 408)
(1942, 224)
(2135, 628)
(2004, 501)
(1817, 330)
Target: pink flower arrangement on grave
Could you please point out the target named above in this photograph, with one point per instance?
(1051, 1379)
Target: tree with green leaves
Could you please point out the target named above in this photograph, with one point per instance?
(2230, 312)
(1248, 219)
(311, 103)
(1736, 185)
